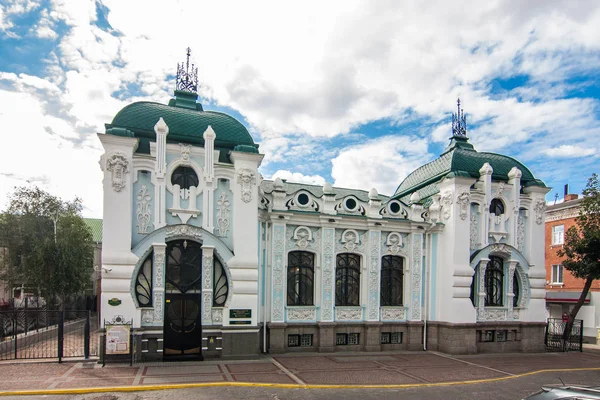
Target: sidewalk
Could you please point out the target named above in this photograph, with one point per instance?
(290, 370)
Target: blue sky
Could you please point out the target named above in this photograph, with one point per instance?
(358, 94)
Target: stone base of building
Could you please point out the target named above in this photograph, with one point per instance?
(329, 337)
(486, 337)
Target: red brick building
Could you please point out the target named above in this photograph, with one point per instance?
(562, 288)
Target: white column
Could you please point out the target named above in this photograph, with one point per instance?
(162, 130)
(209, 174)
(514, 179)
(481, 307)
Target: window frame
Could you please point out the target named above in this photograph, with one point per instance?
(496, 207)
(558, 235)
(557, 267)
(306, 279)
(494, 280)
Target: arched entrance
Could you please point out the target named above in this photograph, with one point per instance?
(183, 293)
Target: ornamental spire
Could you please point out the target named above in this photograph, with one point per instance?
(459, 122)
(187, 79)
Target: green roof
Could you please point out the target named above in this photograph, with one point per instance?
(460, 159)
(186, 120)
(95, 226)
(317, 190)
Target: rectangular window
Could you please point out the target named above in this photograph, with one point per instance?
(396, 337)
(557, 274)
(558, 234)
(353, 338)
(391, 337)
(300, 340)
(341, 339)
(487, 336)
(501, 335)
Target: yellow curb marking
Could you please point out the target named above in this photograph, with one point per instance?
(276, 385)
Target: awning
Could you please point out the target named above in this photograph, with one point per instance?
(565, 297)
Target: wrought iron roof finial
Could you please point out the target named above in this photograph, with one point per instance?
(459, 122)
(187, 80)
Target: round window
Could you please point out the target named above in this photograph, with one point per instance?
(350, 204)
(394, 208)
(303, 199)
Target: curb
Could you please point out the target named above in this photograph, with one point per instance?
(276, 385)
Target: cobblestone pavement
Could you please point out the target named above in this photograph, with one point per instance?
(398, 368)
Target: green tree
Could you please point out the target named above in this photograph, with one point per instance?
(47, 245)
(582, 246)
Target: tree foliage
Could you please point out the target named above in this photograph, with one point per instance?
(582, 245)
(47, 245)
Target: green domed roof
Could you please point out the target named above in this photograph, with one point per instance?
(460, 159)
(186, 120)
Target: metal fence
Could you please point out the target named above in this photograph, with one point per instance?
(554, 335)
(27, 333)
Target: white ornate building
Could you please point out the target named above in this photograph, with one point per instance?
(209, 259)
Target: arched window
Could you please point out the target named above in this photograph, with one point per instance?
(300, 276)
(392, 277)
(516, 290)
(496, 207)
(494, 282)
(347, 280)
(185, 177)
(143, 283)
(220, 284)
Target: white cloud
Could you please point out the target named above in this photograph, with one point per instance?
(382, 163)
(568, 151)
(298, 177)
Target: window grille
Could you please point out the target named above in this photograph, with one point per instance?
(306, 340)
(220, 284)
(341, 339)
(185, 177)
(353, 338)
(494, 282)
(496, 207)
(501, 335)
(293, 340)
(396, 337)
(143, 283)
(392, 274)
(300, 278)
(386, 337)
(347, 280)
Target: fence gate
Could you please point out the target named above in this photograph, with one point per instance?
(554, 335)
(33, 334)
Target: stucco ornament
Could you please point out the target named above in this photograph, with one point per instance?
(184, 230)
(118, 165)
(247, 179)
(328, 271)
(463, 200)
(348, 314)
(350, 240)
(223, 205)
(301, 314)
(473, 233)
(147, 316)
(393, 313)
(302, 237)
(540, 208)
(394, 243)
(374, 270)
(143, 212)
(186, 149)
(217, 315)
(500, 189)
(446, 205)
(501, 250)
(416, 278)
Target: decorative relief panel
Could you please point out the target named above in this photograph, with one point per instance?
(190, 231)
(278, 272)
(223, 211)
(495, 314)
(481, 294)
(374, 268)
(158, 307)
(348, 314)
(147, 316)
(520, 233)
(143, 210)
(159, 265)
(247, 179)
(206, 306)
(501, 250)
(302, 314)
(473, 232)
(463, 200)
(393, 313)
(328, 271)
(523, 287)
(207, 266)
(446, 202)
(539, 208)
(118, 165)
(217, 315)
(416, 277)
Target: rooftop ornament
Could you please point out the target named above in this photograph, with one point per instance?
(187, 79)
(459, 122)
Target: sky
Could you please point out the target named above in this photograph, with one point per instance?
(355, 93)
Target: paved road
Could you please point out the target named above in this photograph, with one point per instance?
(414, 374)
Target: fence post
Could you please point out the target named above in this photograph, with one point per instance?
(15, 333)
(581, 337)
(61, 326)
(86, 339)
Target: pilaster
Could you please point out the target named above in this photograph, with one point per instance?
(207, 283)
